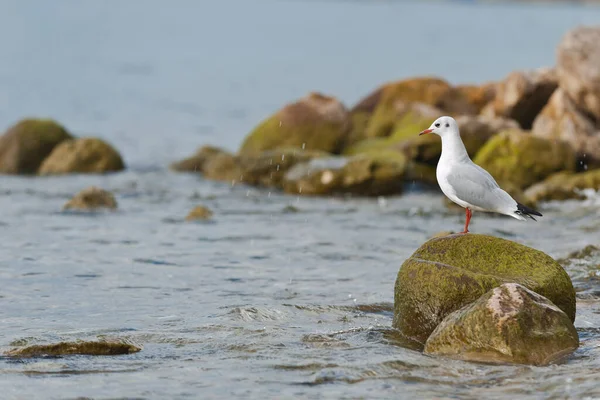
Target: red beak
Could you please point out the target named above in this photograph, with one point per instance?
(426, 131)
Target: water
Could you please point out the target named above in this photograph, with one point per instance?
(278, 296)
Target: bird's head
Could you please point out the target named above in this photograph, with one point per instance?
(442, 126)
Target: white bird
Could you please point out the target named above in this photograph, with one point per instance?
(466, 183)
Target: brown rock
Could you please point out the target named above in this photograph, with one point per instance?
(478, 95)
(315, 122)
(508, 324)
(101, 348)
(26, 144)
(361, 175)
(82, 156)
(562, 120)
(199, 213)
(578, 58)
(522, 95)
(196, 162)
(92, 198)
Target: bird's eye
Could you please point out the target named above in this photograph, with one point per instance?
(447, 125)
(437, 125)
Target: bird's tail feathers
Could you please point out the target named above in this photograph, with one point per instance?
(527, 212)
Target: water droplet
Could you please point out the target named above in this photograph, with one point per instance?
(303, 146)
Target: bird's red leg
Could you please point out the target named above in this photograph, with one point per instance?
(468, 215)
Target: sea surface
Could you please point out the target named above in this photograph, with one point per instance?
(277, 296)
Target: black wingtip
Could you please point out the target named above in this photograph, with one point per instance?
(528, 212)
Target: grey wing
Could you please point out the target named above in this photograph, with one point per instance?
(474, 185)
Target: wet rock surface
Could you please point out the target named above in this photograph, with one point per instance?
(450, 272)
(99, 348)
(92, 198)
(508, 324)
(82, 156)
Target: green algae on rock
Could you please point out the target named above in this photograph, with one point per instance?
(199, 213)
(82, 156)
(99, 348)
(26, 145)
(564, 186)
(522, 159)
(362, 175)
(92, 198)
(508, 324)
(449, 272)
(315, 122)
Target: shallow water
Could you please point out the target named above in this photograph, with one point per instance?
(278, 296)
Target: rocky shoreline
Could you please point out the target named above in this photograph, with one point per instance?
(537, 132)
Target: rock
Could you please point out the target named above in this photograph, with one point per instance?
(92, 198)
(564, 186)
(269, 167)
(508, 324)
(562, 120)
(522, 159)
(394, 98)
(82, 156)
(361, 175)
(448, 273)
(26, 144)
(315, 122)
(578, 57)
(478, 95)
(475, 131)
(266, 168)
(522, 95)
(420, 172)
(101, 348)
(199, 213)
(195, 163)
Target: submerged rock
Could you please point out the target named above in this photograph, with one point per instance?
(82, 156)
(92, 198)
(74, 348)
(315, 122)
(508, 324)
(562, 120)
(26, 145)
(564, 186)
(449, 272)
(522, 95)
(199, 213)
(362, 175)
(578, 57)
(521, 159)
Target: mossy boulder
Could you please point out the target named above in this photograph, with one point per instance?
(199, 213)
(523, 159)
(92, 198)
(82, 156)
(447, 273)
(98, 348)
(478, 96)
(564, 186)
(315, 122)
(26, 145)
(361, 175)
(508, 324)
(522, 95)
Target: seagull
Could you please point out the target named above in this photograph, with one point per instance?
(466, 183)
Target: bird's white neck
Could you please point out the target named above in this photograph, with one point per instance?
(453, 149)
